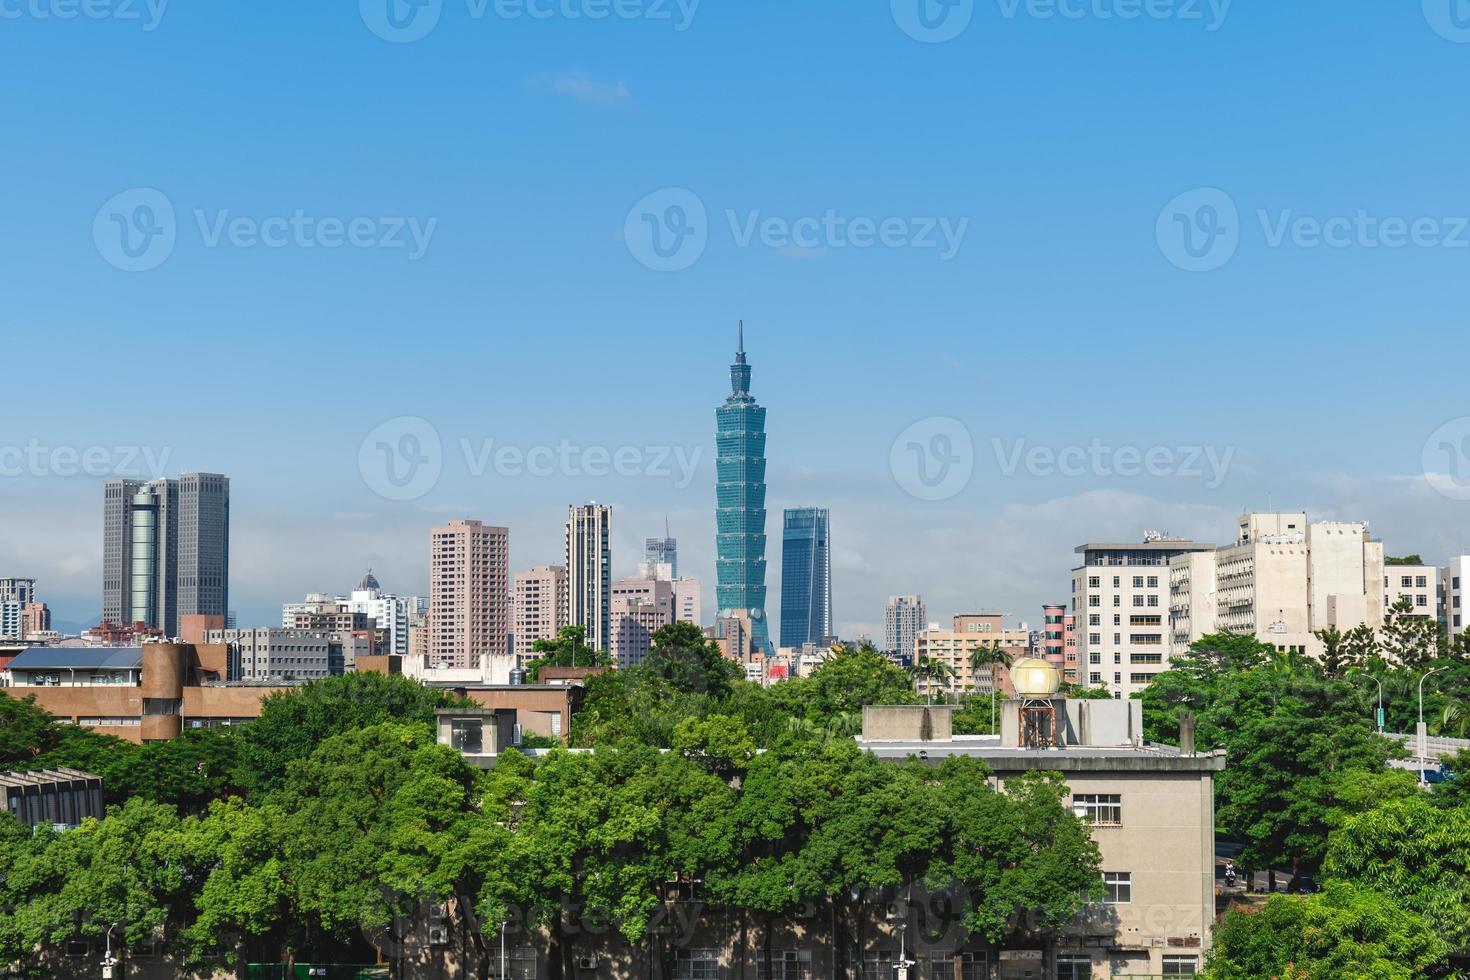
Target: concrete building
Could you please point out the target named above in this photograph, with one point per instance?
(689, 601)
(1454, 608)
(903, 618)
(469, 589)
(271, 653)
(10, 620)
(589, 571)
(391, 614)
(640, 608)
(1058, 645)
(1282, 580)
(51, 797)
(953, 647)
(1416, 582)
(1152, 813)
(1120, 598)
(539, 601)
(165, 550)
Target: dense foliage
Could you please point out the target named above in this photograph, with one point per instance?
(331, 821)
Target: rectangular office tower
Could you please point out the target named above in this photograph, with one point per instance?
(166, 550)
(589, 572)
(806, 577)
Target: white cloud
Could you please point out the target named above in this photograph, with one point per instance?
(584, 88)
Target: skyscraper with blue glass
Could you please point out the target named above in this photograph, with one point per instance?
(806, 577)
(740, 495)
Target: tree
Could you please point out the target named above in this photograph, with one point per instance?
(188, 771)
(567, 649)
(850, 679)
(1344, 931)
(293, 723)
(1408, 639)
(30, 738)
(932, 672)
(1414, 852)
(1335, 660)
(988, 656)
(681, 654)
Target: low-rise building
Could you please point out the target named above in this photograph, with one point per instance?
(1414, 582)
(51, 797)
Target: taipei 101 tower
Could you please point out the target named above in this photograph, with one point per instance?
(740, 493)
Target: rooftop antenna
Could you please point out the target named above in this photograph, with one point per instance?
(666, 527)
(742, 337)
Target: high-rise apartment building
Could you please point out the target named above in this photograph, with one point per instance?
(640, 608)
(806, 577)
(740, 498)
(469, 609)
(1120, 601)
(589, 571)
(18, 590)
(903, 619)
(166, 550)
(538, 608)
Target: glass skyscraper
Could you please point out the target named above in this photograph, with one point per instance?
(740, 494)
(806, 577)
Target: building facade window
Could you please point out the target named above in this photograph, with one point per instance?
(1181, 966)
(787, 964)
(1102, 809)
(696, 964)
(1118, 886)
(1074, 968)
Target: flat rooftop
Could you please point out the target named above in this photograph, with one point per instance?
(1147, 546)
(1148, 757)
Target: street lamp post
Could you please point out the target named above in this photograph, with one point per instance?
(1422, 732)
(1379, 717)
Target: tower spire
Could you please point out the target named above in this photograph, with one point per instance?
(742, 338)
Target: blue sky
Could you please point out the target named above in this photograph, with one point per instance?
(524, 143)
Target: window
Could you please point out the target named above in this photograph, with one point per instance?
(1421, 600)
(696, 964)
(1094, 678)
(520, 964)
(1119, 886)
(1103, 809)
(1094, 659)
(1094, 601)
(1153, 581)
(1146, 658)
(1117, 619)
(1406, 582)
(1117, 677)
(467, 735)
(1094, 620)
(1421, 581)
(1138, 581)
(941, 966)
(1140, 678)
(1074, 968)
(1117, 658)
(1117, 581)
(788, 964)
(1117, 601)
(1181, 966)
(1153, 601)
(1095, 639)
(1138, 600)
(879, 964)
(1093, 582)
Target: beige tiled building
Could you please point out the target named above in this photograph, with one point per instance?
(538, 607)
(1417, 583)
(469, 615)
(952, 647)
